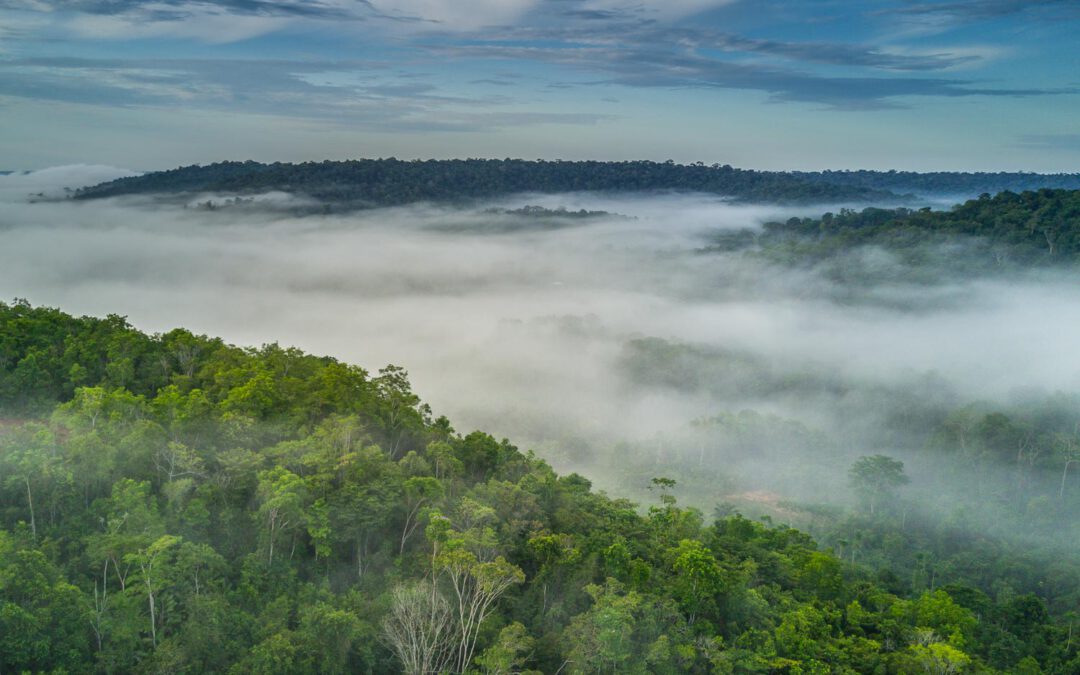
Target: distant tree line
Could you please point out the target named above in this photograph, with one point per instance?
(389, 182)
(944, 182)
(1040, 227)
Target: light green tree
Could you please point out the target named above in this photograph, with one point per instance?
(281, 506)
(154, 567)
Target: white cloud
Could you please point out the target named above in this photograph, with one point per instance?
(205, 24)
(966, 57)
(667, 9)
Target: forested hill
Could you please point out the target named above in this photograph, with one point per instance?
(171, 503)
(1031, 228)
(388, 182)
(944, 182)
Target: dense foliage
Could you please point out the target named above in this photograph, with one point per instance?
(171, 503)
(999, 232)
(388, 182)
(945, 182)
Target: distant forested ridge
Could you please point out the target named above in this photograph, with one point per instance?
(172, 503)
(944, 182)
(1030, 228)
(390, 182)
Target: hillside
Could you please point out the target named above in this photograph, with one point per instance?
(985, 235)
(390, 182)
(174, 503)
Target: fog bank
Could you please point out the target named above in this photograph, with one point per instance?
(568, 333)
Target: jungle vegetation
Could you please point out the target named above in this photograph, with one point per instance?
(174, 503)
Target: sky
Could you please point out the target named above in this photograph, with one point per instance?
(773, 84)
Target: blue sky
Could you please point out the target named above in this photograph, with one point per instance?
(804, 84)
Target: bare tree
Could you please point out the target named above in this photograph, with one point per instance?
(419, 628)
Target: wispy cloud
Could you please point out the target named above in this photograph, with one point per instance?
(609, 42)
(990, 9)
(140, 14)
(836, 53)
(216, 21)
(175, 10)
(354, 94)
(686, 58)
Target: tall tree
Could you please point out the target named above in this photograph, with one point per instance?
(876, 478)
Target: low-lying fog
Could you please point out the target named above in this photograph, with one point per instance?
(568, 335)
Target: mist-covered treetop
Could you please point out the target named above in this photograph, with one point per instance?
(992, 232)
